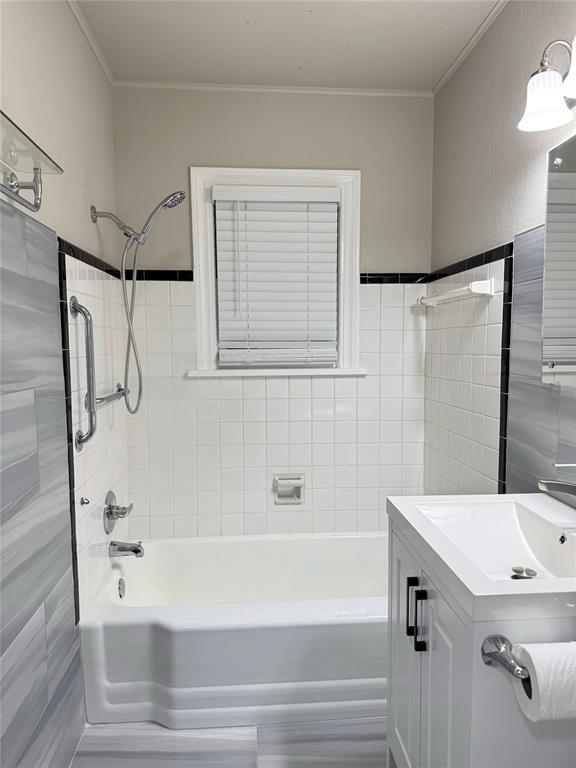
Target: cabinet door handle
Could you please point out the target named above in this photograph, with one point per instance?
(411, 581)
(419, 595)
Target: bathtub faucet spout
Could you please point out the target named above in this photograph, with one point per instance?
(125, 548)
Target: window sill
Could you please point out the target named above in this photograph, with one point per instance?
(260, 373)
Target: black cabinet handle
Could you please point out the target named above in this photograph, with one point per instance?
(419, 595)
(411, 581)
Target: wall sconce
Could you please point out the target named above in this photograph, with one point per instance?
(549, 96)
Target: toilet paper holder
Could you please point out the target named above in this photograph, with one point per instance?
(497, 649)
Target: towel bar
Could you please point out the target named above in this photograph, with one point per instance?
(471, 291)
(497, 649)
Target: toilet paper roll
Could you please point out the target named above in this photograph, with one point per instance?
(552, 668)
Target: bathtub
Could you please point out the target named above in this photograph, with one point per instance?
(248, 630)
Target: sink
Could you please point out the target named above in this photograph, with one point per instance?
(476, 541)
(498, 536)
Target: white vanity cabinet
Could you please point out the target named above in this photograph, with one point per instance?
(447, 709)
(429, 675)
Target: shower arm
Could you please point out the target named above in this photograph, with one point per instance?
(126, 230)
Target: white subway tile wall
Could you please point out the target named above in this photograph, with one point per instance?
(102, 465)
(199, 457)
(202, 452)
(462, 419)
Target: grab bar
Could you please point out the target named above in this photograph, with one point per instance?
(80, 438)
(117, 395)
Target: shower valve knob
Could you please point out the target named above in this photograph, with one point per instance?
(116, 511)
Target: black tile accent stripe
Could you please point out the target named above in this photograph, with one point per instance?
(69, 249)
(496, 254)
(63, 297)
(180, 275)
(366, 278)
(371, 278)
(505, 368)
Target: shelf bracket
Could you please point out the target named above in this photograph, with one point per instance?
(11, 187)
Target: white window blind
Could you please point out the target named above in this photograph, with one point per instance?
(559, 306)
(277, 276)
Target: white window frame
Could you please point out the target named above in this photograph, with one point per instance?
(204, 254)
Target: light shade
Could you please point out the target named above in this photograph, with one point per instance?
(570, 80)
(545, 104)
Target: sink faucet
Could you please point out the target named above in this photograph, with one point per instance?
(557, 486)
(125, 548)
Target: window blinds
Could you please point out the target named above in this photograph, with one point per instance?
(277, 276)
(559, 306)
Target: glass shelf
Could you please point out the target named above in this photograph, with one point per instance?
(19, 154)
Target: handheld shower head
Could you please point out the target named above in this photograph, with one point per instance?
(175, 199)
(169, 202)
(137, 238)
(140, 237)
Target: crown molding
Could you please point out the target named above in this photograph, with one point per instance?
(493, 14)
(310, 90)
(89, 35)
(76, 11)
(227, 87)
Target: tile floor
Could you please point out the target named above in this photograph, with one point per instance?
(352, 743)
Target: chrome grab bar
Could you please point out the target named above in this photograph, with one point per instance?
(117, 395)
(80, 438)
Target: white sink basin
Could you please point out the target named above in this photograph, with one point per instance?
(476, 541)
(498, 536)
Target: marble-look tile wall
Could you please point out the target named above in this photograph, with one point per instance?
(102, 463)
(541, 417)
(202, 452)
(41, 686)
(463, 346)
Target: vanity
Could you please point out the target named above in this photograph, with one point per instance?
(451, 586)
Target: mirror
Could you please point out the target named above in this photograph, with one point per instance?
(559, 300)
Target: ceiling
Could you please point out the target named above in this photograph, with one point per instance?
(344, 44)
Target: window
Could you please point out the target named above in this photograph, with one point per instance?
(276, 276)
(276, 269)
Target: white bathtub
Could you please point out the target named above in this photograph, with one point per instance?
(241, 631)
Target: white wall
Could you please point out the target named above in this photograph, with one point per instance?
(490, 178)
(161, 132)
(55, 90)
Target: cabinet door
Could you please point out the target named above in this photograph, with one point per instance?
(404, 680)
(445, 694)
